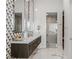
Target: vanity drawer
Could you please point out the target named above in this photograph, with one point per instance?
(19, 50)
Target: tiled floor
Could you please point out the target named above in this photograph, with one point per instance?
(52, 45)
(46, 53)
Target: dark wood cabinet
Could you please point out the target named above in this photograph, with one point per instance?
(24, 50)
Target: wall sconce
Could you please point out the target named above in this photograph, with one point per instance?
(28, 25)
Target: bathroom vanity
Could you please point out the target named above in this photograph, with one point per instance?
(23, 49)
(25, 41)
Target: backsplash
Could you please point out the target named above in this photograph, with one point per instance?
(9, 26)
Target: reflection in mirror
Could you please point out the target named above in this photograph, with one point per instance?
(19, 15)
(23, 18)
(18, 22)
(18, 19)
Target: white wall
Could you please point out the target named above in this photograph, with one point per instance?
(68, 29)
(43, 6)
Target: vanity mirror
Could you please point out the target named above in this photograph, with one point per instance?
(18, 16)
(23, 14)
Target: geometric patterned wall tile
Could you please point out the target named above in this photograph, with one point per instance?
(9, 26)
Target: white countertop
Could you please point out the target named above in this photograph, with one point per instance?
(26, 40)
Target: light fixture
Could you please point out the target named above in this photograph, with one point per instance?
(27, 0)
(28, 24)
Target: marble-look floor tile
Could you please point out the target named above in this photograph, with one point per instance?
(48, 53)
